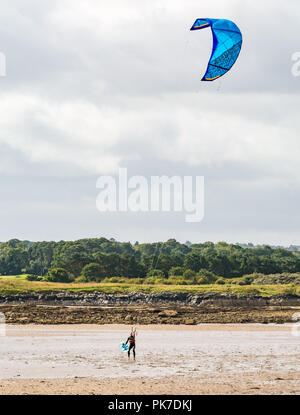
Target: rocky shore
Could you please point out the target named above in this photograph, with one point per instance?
(66, 298)
(140, 308)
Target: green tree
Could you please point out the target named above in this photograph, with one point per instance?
(189, 275)
(73, 261)
(58, 275)
(176, 272)
(206, 277)
(194, 261)
(13, 261)
(93, 272)
(156, 273)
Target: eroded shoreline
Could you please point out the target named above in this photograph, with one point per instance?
(141, 308)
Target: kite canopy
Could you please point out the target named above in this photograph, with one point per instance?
(227, 45)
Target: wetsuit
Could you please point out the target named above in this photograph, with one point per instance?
(131, 340)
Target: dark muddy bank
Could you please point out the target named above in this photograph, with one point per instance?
(139, 308)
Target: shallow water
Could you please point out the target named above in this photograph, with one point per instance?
(84, 353)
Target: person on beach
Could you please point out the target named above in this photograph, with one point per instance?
(131, 340)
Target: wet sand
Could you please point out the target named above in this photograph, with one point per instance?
(204, 359)
(246, 384)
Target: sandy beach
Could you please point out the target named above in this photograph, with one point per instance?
(203, 359)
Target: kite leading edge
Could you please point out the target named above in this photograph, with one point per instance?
(227, 44)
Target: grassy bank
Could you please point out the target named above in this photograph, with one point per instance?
(19, 284)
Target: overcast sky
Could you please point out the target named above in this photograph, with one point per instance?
(92, 86)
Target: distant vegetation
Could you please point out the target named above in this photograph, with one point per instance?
(20, 284)
(167, 263)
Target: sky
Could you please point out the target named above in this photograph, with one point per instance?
(93, 86)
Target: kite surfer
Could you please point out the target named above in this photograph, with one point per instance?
(131, 341)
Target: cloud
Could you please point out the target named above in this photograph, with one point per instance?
(207, 129)
(94, 85)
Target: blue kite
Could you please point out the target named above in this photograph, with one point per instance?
(227, 44)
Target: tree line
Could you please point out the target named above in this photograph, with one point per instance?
(97, 258)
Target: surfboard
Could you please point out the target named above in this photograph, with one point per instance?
(124, 347)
